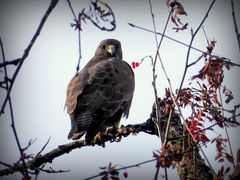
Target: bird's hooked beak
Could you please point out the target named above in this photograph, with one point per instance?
(111, 50)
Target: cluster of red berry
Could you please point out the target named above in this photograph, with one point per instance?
(135, 64)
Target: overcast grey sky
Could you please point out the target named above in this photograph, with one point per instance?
(38, 94)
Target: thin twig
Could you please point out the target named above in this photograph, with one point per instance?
(154, 71)
(195, 62)
(167, 37)
(79, 51)
(155, 88)
(189, 47)
(52, 171)
(205, 34)
(29, 144)
(71, 8)
(153, 21)
(225, 127)
(180, 42)
(158, 45)
(12, 118)
(157, 55)
(234, 116)
(181, 84)
(155, 93)
(167, 128)
(122, 168)
(79, 37)
(45, 145)
(13, 62)
(235, 24)
(27, 51)
(5, 164)
(157, 172)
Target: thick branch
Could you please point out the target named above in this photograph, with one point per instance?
(182, 152)
(186, 167)
(124, 131)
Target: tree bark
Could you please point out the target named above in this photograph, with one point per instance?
(182, 152)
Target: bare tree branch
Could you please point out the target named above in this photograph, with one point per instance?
(79, 36)
(45, 145)
(13, 62)
(147, 127)
(158, 45)
(235, 23)
(27, 50)
(167, 37)
(121, 168)
(20, 61)
(190, 44)
(179, 42)
(52, 171)
(225, 128)
(5, 164)
(21, 150)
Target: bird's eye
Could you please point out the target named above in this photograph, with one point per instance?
(117, 46)
(103, 46)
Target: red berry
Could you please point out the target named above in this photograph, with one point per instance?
(133, 64)
(125, 174)
(197, 137)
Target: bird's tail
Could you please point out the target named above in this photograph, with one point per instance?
(79, 125)
(75, 135)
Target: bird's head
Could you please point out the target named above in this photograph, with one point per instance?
(109, 48)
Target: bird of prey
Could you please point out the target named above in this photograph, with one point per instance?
(101, 93)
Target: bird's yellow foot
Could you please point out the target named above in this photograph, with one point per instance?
(116, 134)
(97, 139)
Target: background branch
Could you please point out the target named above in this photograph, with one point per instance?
(147, 127)
(27, 51)
(24, 171)
(13, 62)
(190, 44)
(180, 42)
(235, 23)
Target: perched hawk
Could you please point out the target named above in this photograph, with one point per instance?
(101, 93)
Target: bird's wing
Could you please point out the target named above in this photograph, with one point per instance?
(110, 81)
(130, 88)
(74, 89)
(81, 90)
